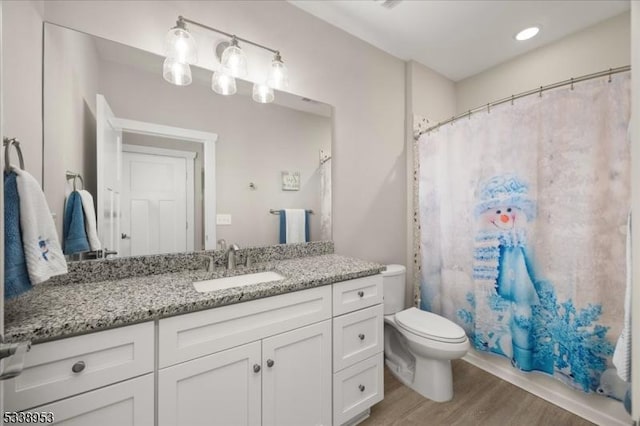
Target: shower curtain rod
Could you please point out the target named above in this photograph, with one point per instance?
(539, 91)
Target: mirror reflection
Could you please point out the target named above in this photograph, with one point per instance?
(174, 169)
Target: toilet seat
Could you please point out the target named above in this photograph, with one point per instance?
(430, 326)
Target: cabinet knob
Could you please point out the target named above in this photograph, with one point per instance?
(270, 363)
(361, 387)
(361, 336)
(78, 366)
(256, 368)
(361, 293)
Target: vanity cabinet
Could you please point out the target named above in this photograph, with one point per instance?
(276, 361)
(223, 388)
(94, 378)
(266, 361)
(358, 344)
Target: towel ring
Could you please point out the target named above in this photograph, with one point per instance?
(75, 177)
(7, 144)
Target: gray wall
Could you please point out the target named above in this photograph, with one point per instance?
(364, 84)
(601, 46)
(70, 87)
(256, 143)
(22, 79)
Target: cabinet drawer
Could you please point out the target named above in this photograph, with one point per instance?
(190, 336)
(349, 296)
(357, 336)
(128, 403)
(357, 388)
(108, 356)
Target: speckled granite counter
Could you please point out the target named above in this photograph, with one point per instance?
(60, 310)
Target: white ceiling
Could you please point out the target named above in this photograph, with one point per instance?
(460, 38)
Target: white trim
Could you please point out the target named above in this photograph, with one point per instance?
(208, 163)
(152, 150)
(595, 408)
(635, 208)
(188, 156)
(153, 129)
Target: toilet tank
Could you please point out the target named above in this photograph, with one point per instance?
(393, 285)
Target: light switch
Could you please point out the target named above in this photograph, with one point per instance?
(223, 219)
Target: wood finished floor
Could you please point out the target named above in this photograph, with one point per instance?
(479, 399)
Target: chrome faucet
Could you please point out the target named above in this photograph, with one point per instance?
(231, 256)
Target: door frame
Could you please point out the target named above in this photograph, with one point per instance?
(209, 162)
(174, 153)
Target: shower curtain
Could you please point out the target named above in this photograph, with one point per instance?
(523, 212)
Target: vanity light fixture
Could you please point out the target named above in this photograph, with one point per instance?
(527, 33)
(181, 53)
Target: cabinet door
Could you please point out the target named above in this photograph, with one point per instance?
(219, 389)
(122, 404)
(296, 379)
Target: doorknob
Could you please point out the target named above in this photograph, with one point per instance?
(125, 236)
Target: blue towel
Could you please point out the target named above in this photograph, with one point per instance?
(16, 277)
(283, 226)
(73, 231)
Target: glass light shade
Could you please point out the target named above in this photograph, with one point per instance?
(223, 83)
(178, 73)
(234, 61)
(180, 45)
(262, 93)
(278, 75)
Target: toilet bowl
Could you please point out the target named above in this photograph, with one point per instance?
(419, 345)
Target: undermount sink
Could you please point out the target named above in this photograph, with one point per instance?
(236, 281)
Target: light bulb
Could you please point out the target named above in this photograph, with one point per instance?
(527, 33)
(234, 61)
(178, 73)
(223, 84)
(278, 74)
(180, 45)
(262, 93)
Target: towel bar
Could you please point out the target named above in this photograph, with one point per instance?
(273, 211)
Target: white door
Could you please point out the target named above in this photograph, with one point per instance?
(220, 389)
(129, 403)
(109, 174)
(296, 379)
(157, 204)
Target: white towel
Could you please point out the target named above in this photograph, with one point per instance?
(622, 354)
(90, 220)
(39, 237)
(296, 222)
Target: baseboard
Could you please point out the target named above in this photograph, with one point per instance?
(595, 408)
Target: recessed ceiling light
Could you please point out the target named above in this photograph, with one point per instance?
(527, 33)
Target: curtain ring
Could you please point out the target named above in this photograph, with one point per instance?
(571, 83)
(609, 75)
(540, 95)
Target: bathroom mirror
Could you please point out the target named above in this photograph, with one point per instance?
(237, 157)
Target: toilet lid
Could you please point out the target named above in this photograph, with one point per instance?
(430, 326)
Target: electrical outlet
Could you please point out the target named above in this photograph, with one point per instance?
(223, 219)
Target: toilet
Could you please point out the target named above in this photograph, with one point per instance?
(419, 345)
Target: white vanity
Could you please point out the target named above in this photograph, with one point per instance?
(312, 357)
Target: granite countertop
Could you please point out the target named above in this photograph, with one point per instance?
(51, 312)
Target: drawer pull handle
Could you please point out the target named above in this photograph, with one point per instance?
(361, 293)
(256, 368)
(361, 336)
(270, 363)
(361, 387)
(78, 366)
